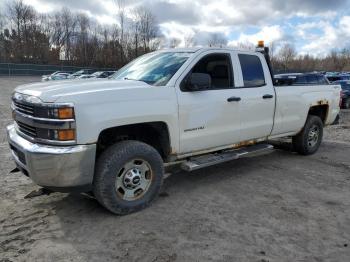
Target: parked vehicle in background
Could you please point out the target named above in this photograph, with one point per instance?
(60, 76)
(197, 107)
(49, 77)
(84, 77)
(337, 77)
(81, 72)
(102, 74)
(98, 74)
(301, 79)
(345, 86)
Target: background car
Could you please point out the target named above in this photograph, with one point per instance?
(60, 76)
(84, 76)
(345, 86)
(49, 77)
(81, 72)
(337, 77)
(102, 74)
(301, 79)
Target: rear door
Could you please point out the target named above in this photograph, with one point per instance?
(257, 94)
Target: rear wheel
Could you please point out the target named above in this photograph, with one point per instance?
(128, 177)
(309, 139)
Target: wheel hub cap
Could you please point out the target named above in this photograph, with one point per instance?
(313, 136)
(134, 179)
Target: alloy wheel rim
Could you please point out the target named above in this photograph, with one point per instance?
(134, 179)
(313, 136)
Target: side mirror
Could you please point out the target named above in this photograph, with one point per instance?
(198, 82)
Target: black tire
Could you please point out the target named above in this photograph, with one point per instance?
(302, 143)
(108, 168)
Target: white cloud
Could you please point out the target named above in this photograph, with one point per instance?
(41, 7)
(344, 24)
(201, 18)
(334, 36)
(268, 33)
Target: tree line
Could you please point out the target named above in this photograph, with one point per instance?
(73, 38)
(287, 60)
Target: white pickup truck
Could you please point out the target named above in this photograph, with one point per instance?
(195, 107)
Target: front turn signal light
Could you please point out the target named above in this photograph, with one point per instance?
(66, 113)
(66, 134)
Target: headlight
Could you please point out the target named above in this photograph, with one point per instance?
(44, 122)
(55, 111)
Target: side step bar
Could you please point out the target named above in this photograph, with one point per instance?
(198, 162)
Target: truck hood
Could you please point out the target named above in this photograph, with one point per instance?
(53, 90)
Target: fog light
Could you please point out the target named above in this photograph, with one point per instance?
(66, 134)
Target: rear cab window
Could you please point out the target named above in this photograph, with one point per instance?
(252, 71)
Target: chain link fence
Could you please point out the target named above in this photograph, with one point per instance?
(12, 69)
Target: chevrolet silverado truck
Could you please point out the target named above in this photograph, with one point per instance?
(194, 107)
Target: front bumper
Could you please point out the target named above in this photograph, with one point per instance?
(60, 168)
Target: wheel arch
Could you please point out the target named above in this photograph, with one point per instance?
(155, 134)
(320, 110)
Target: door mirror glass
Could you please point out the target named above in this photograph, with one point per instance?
(198, 82)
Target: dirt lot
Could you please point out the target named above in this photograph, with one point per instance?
(277, 207)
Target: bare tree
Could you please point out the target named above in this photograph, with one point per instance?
(245, 46)
(174, 42)
(69, 23)
(190, 40)
(121, 16)
(82, 37)
(286, 55)
(216, 40)
(148, 28)
(27, 36)
(272, 49)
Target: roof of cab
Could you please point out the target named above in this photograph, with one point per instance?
(196, 49)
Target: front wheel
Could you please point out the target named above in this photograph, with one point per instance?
(128, 177)
(309, 139)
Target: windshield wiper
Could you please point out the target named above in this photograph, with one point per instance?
(126, 78)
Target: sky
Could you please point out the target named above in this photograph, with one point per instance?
(314, 27)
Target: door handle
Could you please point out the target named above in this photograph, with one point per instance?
(268, 96)
(233, 99)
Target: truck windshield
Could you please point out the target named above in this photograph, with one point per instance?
(154, 68)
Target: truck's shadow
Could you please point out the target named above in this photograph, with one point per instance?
(81, 219)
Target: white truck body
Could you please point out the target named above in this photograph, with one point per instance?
(196, 121)
(63, 152)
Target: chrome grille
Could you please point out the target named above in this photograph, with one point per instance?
(37, 121)
(24, 108)
(26, 129)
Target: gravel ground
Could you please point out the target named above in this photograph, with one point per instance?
(276, 207)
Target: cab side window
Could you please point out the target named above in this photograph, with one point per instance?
(217, 67)
(252, 70)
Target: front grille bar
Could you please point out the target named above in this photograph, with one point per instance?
(30, 126)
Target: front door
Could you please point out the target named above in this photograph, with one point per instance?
(209, 118)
